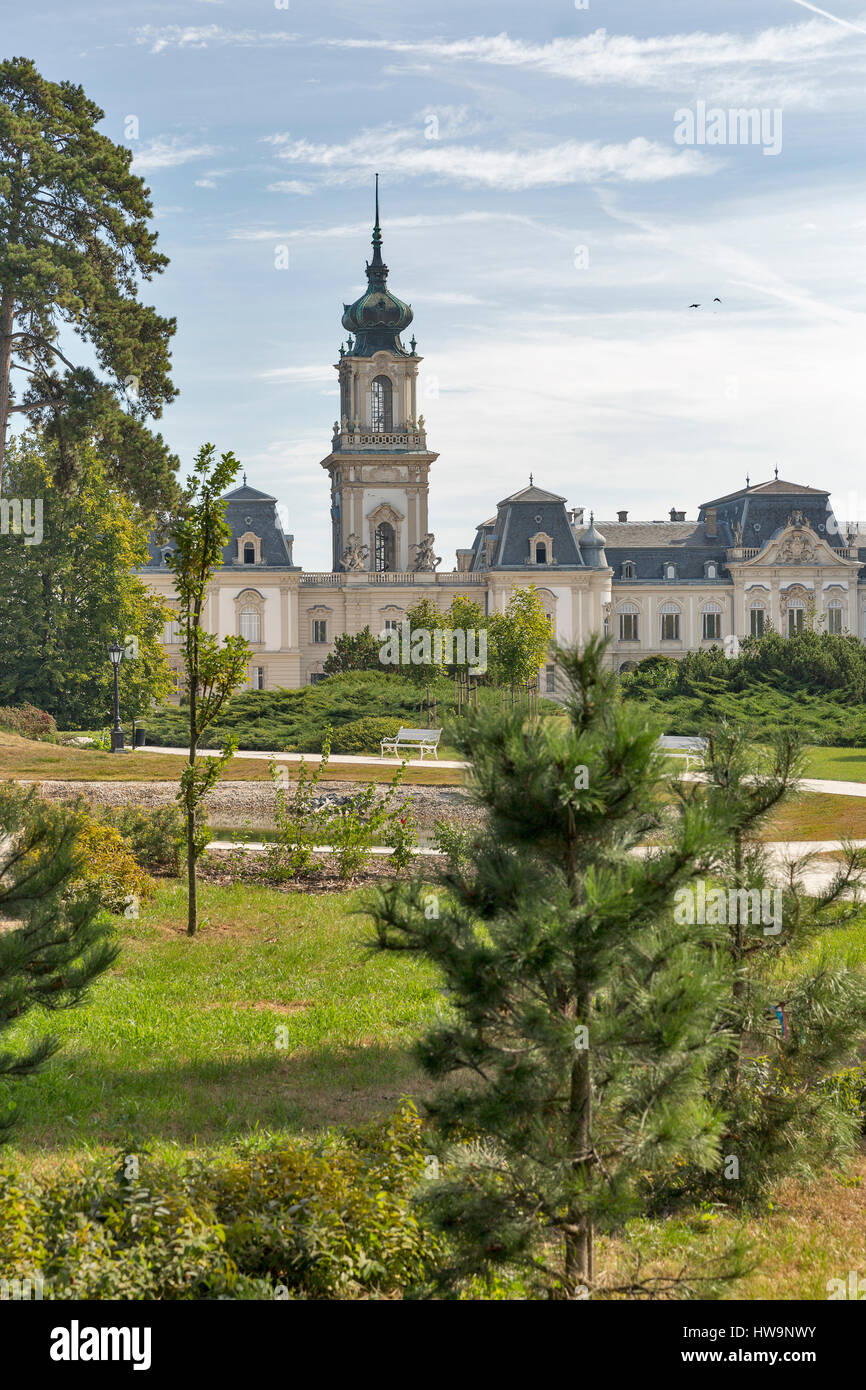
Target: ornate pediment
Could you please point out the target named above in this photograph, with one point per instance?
(797, 545)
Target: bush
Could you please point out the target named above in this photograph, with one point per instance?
(364, 735)
(29, 722)
(154, 837)
(110, 868)
(285, 1220)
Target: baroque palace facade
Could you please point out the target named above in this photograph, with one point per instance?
(770, 554)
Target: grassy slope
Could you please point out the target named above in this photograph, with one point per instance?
(24, 759)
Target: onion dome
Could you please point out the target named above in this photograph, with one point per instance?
(592, 544)
(378, 318)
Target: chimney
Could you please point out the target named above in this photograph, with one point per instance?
(622, 516)
(677, 516)
(710, 522)
(576, 516)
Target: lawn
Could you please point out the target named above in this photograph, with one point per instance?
(25, 759)
(838, 764)
(818, 816)
(178, 1042)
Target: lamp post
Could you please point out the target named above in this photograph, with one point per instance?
(115, 652)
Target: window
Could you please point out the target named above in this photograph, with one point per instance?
(549, 680)
(173, 631)
(712, 622)
(316, 676)
(251, 625)
(385, 547)
(670, 571)
(258, 679)
(628, 570)
(381, 412)
(320, 629)
(757, 619)
(541, 553)
(165, 555)
(796, 617)
(834, 618)
(176, 680)
(628, 623)
(391, 625)
(670, 623)
(249, 553)
(711, 571)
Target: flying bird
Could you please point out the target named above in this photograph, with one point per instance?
(717, 300)
(694, 306)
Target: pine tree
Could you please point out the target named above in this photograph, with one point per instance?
(53, 943)
(74, 246)
(796, 1008)
(582, 1020)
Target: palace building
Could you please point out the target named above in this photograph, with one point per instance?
(769, 554)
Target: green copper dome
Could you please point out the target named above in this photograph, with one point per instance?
(378, 318)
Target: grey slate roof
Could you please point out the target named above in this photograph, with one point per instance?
(248, 509)
(519, 517)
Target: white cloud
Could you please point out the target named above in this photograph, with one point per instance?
(309, 374)
(168, 154)
(289, 186)
(406, 154)
(159, 39)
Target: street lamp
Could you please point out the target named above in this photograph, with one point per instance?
(115, 652)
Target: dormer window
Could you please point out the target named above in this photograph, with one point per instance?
(249, 553)
(670, 571)
(249, 549)
(711, 571)
(165, 555)
(541, 549)
(628, 569)
(541, 554)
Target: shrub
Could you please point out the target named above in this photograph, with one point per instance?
(155, 837)
(364, 735)
(110, 868)
(29, 722)
(334, 1221)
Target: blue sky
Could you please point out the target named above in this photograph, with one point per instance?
(538, 213)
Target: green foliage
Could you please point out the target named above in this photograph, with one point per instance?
(351, 826)
(213, 671)
(57, 945)
(29, 722)
(75, 248)
(155, 837)
(544, 925)
(276, 1221)
(364, 735)
(519, 639)
(815, 681)
(64, 602)
(354, 652)
(109, 869)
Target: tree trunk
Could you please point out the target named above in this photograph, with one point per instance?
(192, 882)
(7, 318)
(579, 1262)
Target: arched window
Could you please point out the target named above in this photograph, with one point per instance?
(757, 619)
(251, 625)
(382, 411)
(385, 548)
(541, 553)
(796, 616)
(249, 553)
(670, 622)
(628, 622)
(711, 620)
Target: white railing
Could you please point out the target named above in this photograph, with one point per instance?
(393, 439)
(332, 580)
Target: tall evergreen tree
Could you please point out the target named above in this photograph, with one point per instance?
(582, 1020)
(74, 246)
(53, 943)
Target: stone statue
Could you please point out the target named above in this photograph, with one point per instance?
(738, 533)
(425, 559)
(355, 554)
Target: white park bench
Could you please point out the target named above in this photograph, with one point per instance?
(683, 746)
(424, 740)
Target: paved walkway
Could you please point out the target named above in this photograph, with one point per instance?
(363, 760)
(811, 784)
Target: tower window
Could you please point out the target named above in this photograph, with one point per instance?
(385, 547)
(249, 553)
(382, 411)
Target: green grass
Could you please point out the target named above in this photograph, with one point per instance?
(838, 764)
(177, 1043)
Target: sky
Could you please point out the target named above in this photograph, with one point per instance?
(560, 182)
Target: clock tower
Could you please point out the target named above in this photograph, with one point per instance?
(379, 461)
